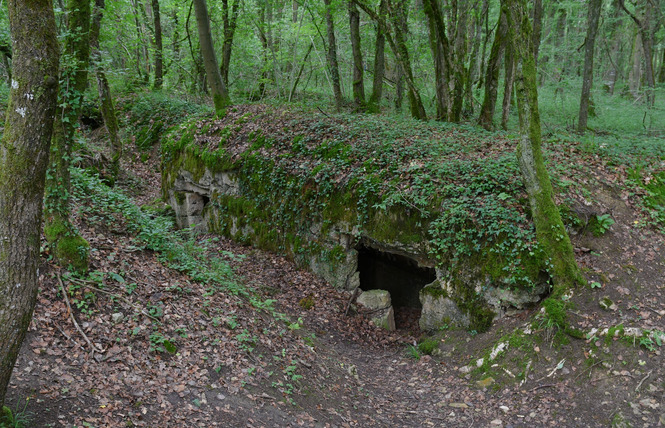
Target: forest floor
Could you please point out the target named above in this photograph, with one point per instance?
(159, 349)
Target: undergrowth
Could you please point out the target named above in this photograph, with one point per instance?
(153, 231)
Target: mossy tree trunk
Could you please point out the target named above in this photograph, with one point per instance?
(229, 22)
(492, 74)
(593, 17)
(331, 56)
(374, 103)
(104, 90)
(397, 11)
(220, 94)
(67, 245)
(23, 161)
(441, 52)
(550, 230)
(508, 84)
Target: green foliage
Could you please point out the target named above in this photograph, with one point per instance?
(428, 346)
(159, 343)
(151, 114)
(600, 224)
(177, 249)
(19, 418)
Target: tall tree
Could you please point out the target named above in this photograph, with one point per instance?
(492, 73)
(220, 95)
(66, 243)
(23, 160)
(358, 78)
(331, 55)
(397, 13)
(593, 17)
(374, 103)
(440, 47)
(229, 21)
(550, 230)
(159, 50)
(643, 18)
(104, 90)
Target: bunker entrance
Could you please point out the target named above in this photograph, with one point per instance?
(401, 276)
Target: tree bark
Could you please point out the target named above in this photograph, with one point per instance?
(23, 160)
(593, 17)
(441, 52)
(647, 37)
(220, 95)
(229, 32)
(159, 51)
(550, 230)
(331, 56)
(68, 247)
(104, 90)
(374, 104)
(509, 83)
(492, 74)
(358, 77)
(537, 29)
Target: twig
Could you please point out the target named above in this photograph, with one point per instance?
(589, 369)
(639, 385)
(547, 385)
(68, 336)
(614, 375)
(324, 113)
(71, 315)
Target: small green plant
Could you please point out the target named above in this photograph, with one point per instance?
(595, 284)
(600, 224)
(159, 343)
(15, 419)
(428, 346)
(413, 352)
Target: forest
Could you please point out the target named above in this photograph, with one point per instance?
(323, 213)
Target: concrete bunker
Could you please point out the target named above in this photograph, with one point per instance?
(400, 275)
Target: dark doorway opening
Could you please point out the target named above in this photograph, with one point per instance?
(401, 276)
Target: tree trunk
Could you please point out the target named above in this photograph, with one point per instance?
(647, 37)
(374, 104)
(300, 70)
(593, 17)
(142, 53)
(492, 74)
(23, 160)
(635, 73)
(440, 47)
(397, 12)
(220, 95)
(229, 32)
(612, 74)
(550, 230)
(537, 29)
(358, 78)
(661, 75)
(331, 56)
(159, 62)
(509, 82)
(68, 247)
(104, 90)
